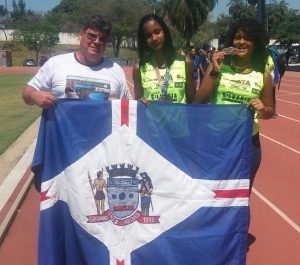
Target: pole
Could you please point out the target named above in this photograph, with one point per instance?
(261, 11)
(91, 184)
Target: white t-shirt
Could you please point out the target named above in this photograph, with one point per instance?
(65, 77)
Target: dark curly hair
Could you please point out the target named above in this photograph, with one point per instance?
(144, 52)
(96, 22)
(255, 32)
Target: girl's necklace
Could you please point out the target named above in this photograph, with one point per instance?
(245, 69)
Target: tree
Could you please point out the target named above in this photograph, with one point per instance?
(3, 11)
(19, 14)
(222, 24)
(288, 31)
(240, 9)
(205, 34)
(37, 35)
(68, 13)
(124, 16)
(276, 14)
(188, 15)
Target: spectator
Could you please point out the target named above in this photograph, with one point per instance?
(288, 54)
(85, 72)
(196, 66)
(204, 61)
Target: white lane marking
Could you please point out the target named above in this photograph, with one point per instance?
(277, 210)
(290, 80)
(287, 86)
(284, 145)
(288, 101)
(287, 93)
(286, 117)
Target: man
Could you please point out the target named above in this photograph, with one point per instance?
(83, 74)
(196, 64)
(204, 61)
(288, 54)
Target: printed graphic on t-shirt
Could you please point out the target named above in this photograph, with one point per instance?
(87, 88)
(236, 89)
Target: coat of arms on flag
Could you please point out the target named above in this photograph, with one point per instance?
(125, 183)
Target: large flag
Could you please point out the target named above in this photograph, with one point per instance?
(124, 183)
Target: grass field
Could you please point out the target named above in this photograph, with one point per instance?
(15, 115)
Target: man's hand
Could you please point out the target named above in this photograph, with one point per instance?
(42, 99)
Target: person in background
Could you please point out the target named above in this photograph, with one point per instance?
(242, 79)
(82, 74)
(272, 68)
(212, 52)
(288, 54)
(161, 73)
(195, 58)
(180, 51)
(204, 61)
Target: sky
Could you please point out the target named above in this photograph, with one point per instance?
(34, 5)
(45, 5)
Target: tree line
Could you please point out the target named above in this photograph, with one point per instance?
(189, 20)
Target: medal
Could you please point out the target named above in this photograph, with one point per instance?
(230, 51)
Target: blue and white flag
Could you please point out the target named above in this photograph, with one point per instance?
(123, 183)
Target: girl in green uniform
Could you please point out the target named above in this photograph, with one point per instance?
(241, 78)
(161, 74)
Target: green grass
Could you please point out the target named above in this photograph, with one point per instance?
(15, 115)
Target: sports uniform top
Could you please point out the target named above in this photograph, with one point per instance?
(176, 85)
(238, 88)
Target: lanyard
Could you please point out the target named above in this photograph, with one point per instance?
(163, 83)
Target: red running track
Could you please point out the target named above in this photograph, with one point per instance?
(275, 214)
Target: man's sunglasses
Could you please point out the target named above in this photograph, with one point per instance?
(94, 37)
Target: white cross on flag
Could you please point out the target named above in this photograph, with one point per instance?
(123, 183)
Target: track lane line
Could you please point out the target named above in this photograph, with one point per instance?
(286, 117)
(288, 94)
(283, 145)
(277, 210)
(278, 99)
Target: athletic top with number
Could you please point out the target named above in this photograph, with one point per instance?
(238, 88)
(176, 84)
